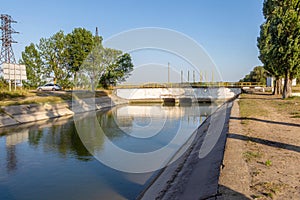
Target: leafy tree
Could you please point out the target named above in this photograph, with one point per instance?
(259, 74)
(52, 51)
(91, 67)
(117, 72)
(3, 83)
(279, 40)
(79, 52)
(265, 45)
(31, 58)
(97, 62)
(79, 44)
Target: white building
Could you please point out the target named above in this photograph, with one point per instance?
(270, 81)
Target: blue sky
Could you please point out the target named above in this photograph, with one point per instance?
(226, 29)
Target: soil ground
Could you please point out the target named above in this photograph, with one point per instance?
(262, 155)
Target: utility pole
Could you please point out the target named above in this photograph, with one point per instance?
(200, 76)
(194, 76)
(97, 33)
(181, 76)
(7, 54)
(168, 72)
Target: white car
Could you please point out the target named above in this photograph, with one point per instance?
(49, 87)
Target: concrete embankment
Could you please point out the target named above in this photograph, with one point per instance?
(20, 114)
(195, 174)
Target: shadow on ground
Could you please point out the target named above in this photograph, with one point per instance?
(228, 194)
(265, 142)
(266, 121)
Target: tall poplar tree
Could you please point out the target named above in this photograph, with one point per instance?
(279, 41)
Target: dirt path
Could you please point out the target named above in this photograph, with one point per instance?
(262, 156)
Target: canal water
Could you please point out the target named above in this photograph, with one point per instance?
(48, 160)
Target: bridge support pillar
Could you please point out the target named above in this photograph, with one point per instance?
(169, 101)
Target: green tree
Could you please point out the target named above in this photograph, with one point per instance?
(79, 52)
(52, 51)
(258, 74)
(117, 72)
(79, 44)
(31, 58)
(97, 62)
(3, 83)
(279, 40)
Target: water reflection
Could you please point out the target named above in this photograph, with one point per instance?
(51, 158)
(139, 138)
(57, 135)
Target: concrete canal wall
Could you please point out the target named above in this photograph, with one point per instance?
(20, 114)
(196, 94)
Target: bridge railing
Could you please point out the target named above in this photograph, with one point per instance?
(196, 84)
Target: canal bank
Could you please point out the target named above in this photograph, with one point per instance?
(20, 114)
(195, 174)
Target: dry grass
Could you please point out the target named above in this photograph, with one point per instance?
(289, 107)
(273, 121)
(6, 95)
(252, 155)
(251, 107)
(20, 97)
(296, 88)
(267, 189)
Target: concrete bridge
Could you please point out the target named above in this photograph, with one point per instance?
(178, 95)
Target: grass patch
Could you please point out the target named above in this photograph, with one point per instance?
(21, 97)
(295, 113)
(251, 106)
(268, 189)
(268, 163)
(36, 100)
(255, 173)
(295, 116)
(244, 122)
(5, 95)
(250, 155)
(296, 89)
(289, 107)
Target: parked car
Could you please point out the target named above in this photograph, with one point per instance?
(49, 87)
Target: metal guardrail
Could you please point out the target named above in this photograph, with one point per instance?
(196, 84)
